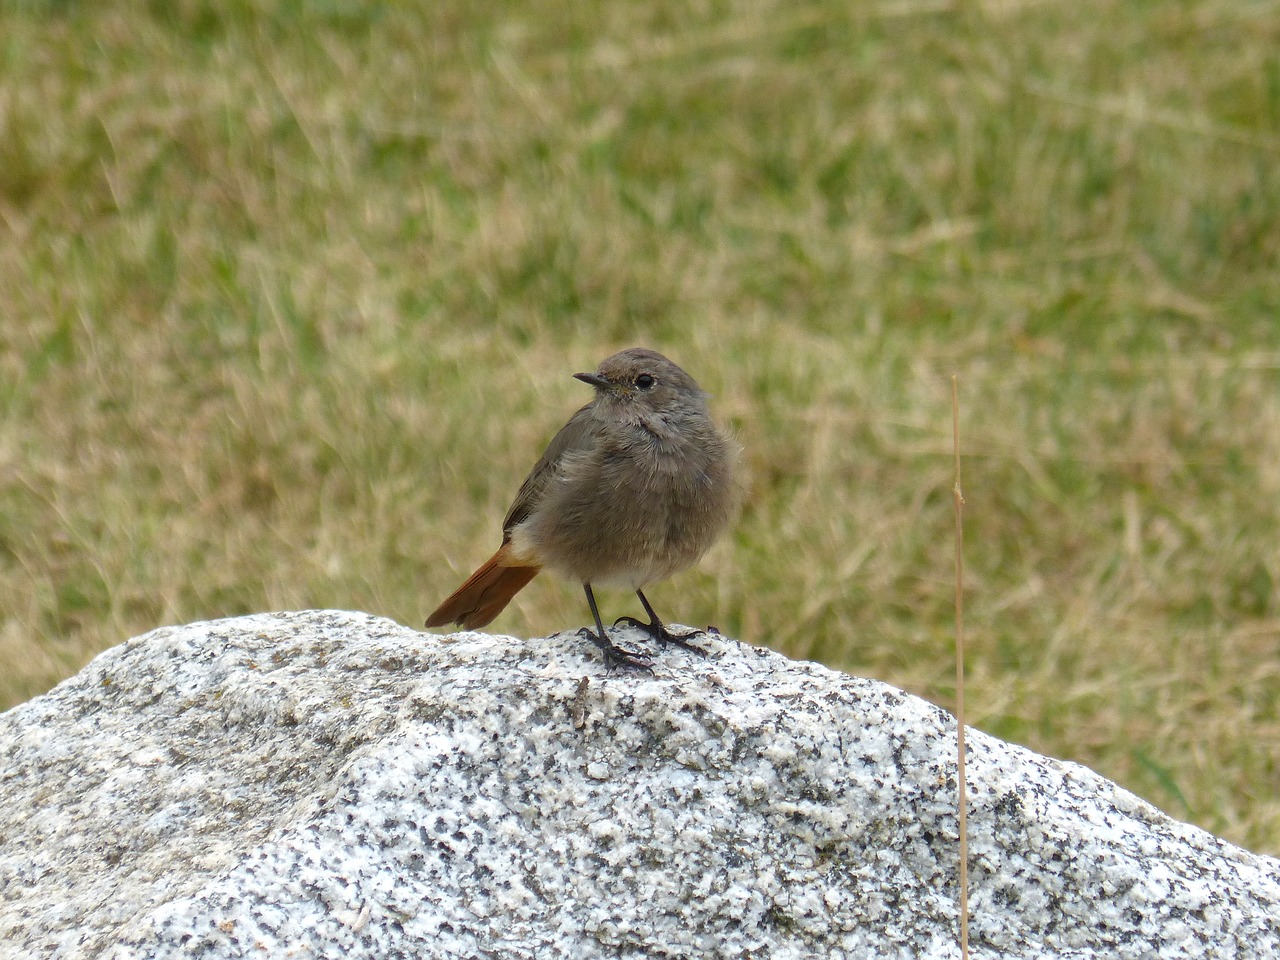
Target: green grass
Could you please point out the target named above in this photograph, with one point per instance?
(292, 294)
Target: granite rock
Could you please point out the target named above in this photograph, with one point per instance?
(329, 784)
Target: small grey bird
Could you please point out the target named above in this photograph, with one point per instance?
(633, 489)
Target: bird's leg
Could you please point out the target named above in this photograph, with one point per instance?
(614, 656)
(659, 632)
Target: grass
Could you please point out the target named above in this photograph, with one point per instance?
(293, 293)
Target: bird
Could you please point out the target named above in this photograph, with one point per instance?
(633, 489)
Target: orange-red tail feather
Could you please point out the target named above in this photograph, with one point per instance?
(485, 592)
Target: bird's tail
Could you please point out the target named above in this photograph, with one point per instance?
(485, 592)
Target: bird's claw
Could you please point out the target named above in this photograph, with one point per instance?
(664, 636)
(615, 656)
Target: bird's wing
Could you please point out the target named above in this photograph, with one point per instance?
(574, 436)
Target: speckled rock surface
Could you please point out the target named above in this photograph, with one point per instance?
(330, 784)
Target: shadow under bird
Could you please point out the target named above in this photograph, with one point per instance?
(633, 489)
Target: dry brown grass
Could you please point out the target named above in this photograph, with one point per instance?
(292, 297)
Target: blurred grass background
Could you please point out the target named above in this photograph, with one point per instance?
(292, 293)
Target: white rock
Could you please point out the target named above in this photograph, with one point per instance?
(329, 784)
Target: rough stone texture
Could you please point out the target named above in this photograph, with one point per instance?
(329, 784)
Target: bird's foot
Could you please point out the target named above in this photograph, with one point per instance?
(664, 636)
(615, 656)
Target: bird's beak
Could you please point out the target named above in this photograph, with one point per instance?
(594, 379)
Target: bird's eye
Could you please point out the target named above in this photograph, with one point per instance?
(645, 382)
